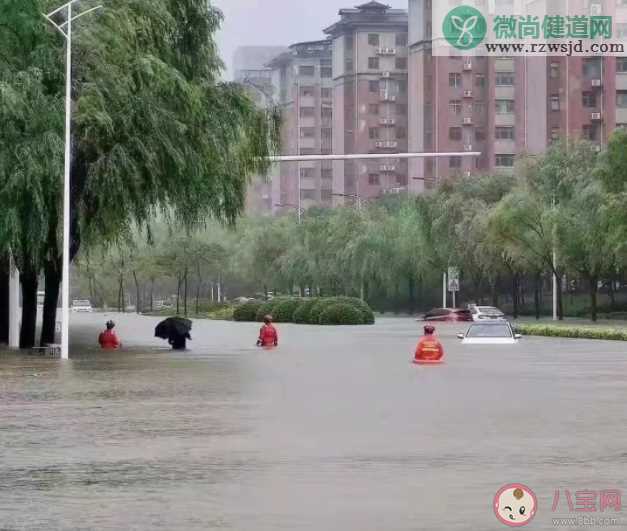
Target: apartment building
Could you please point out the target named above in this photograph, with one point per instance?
(369, 45)
(302, 78)
(250, 70)
(503, 107)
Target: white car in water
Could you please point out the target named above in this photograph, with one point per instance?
(82, 306)
(490, 333)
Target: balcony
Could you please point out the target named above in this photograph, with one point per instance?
(386, 51)
(386, 96)
(621, 115)
(505, 119)
(387, 121)
(386, 144)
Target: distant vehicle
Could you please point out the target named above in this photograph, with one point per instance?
(162, 305)
(448, 314)
(41, 295)
(481, 313)
(242, 300)
(490, 333)
(82, 306)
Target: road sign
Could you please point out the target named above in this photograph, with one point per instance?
(453, 279)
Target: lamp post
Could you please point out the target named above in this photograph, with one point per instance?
(66, 30)
(295, 207)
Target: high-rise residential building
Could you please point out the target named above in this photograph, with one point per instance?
(303, 81)
(250, 70)
(370, 99)
(504, 106)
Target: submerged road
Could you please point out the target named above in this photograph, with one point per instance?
(334, 431)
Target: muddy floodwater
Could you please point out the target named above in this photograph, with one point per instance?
(333, 431)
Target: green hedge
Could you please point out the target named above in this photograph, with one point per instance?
(267, 308)
(315, 314)
(341, 314)
(572, 332)
(221, 314)
(247, 311)
(303, 312)
(284, 311)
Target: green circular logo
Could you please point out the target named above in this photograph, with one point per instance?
(464, 27)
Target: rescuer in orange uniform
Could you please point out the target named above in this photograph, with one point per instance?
(429, 349)
(108, 339)
(268, 336)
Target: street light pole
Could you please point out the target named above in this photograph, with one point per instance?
(66, 30)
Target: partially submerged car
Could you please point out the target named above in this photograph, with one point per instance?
(489, 333)
(486, 313)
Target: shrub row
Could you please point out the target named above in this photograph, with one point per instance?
(327, 311)
(572, 332)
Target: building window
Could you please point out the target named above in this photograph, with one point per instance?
(306, 172)
(555, 133)
(621, 29)
(307, 92)
(349, 65)
(478, 107)
(373, 133)
(401, 133)
(306, 70)
(555, 70)
(454, 80)
(592, 68)
(588, 132)
(326, 72)
(589, 99)
(455, 106)
(455, 133)
(307, 151)
(402, 87)
(621, 64)
(307, 132)
(307, 112)
(373, 179)
(326, 195)
(308, 195)
(326, 173)
(455, 162)
(401, 109)
(373, 108)
(373, 86)
(373, 39)
(480, 80)
(504, 133)
(401, 63)
(401, 180)
(504, 161)
(480, 135)
(326, 112)
(621, 99)
(401, 39)
(326, 132)
(504, 79)
(349, 42)
(555, 103)
(326, 93)
(373, 63)
(504, 106)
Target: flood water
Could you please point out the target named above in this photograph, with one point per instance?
(333, 431)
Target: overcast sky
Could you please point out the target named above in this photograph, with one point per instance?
(277, 22)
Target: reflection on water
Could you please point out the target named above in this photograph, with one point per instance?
(335, 430)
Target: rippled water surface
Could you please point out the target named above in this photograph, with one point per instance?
(335, 430)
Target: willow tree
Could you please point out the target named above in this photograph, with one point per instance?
(155, 130)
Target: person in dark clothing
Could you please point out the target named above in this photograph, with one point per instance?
(179, 341)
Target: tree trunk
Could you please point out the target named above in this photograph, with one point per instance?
(152, 294)
(411, 287)
(536, 294)
(138, 301)
(5, 274)
(612, 293)
(560, 301)
(495, 295)
(515, 296)
(119, 296)
(593, 282)
(265, 291)
(185, 293)
(52, 272)
(29, 283)
(178, 294)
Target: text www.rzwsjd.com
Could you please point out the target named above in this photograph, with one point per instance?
(562, 48)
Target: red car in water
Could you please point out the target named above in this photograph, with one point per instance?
(452, 315)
